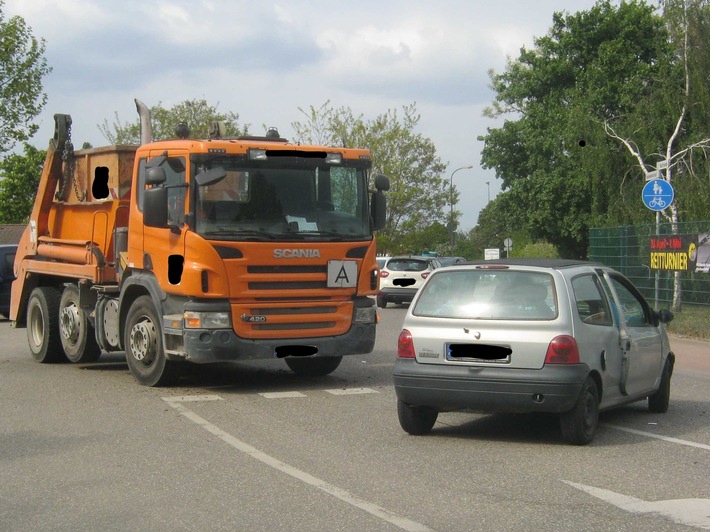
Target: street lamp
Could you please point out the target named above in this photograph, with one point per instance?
(451, 204)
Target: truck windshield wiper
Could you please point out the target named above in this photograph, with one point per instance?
(234, 234)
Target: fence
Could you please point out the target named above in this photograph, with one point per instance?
(631, 250)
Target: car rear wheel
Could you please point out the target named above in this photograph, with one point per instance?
(659, 401)
(381, 302)
(313, 367)
(416, 420)
(579, 425)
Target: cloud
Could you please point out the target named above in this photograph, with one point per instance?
(264, 60)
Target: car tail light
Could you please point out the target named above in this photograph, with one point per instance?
(384, 274)
(425, 275)
(562, 350)
(405, 345)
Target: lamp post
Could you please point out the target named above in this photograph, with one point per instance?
(451, 204)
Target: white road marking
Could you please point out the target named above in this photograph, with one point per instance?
(659, 437)
(689, 512)
(282, 395)
(306, 478)
(192, 398)
(351, 391)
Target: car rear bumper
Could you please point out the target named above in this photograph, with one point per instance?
(398, 294)
(554, 388)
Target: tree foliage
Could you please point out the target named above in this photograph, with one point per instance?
(611, 63)
(418, 194)
(19, 179)
(22, 67)
(196, 114)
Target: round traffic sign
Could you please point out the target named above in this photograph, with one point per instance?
(657, 194)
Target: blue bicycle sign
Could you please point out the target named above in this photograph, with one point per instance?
(657, 194)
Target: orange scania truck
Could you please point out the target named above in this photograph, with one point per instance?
(198, 251)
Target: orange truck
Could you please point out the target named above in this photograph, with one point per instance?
(187, 251)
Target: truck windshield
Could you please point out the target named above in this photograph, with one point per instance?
(278, 202)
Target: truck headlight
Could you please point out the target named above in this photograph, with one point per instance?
(365, 315)
(207, 320)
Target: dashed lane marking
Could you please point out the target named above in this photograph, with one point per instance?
(282, 395)
(351, 391)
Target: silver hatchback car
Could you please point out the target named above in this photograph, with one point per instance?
(530, 335)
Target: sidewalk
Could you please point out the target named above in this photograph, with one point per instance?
(691, 355)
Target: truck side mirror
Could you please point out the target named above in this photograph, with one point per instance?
(155, 207)
(382, 182)
(378, 209)
(155, 176)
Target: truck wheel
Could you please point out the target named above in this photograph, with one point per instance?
(313, 367)
(579, 425)
(43, 325)
(659, 401)
(144, 346)
(416, 420)
(77, 335)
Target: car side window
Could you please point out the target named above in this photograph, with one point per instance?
(590, 301)
(635, 311)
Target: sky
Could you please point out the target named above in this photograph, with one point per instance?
(265, 60)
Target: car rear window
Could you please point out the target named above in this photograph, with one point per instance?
(488, 294)
(406, 265)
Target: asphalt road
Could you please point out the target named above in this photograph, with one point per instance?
(253, 447)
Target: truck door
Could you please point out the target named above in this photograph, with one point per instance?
(639, 338)
(164, 247)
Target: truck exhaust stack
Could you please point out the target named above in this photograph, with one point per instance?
(146, 126)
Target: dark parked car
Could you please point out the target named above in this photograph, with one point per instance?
(517, 336)
(450, 261)
(7, 275)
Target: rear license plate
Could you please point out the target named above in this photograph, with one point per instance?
(490, 354)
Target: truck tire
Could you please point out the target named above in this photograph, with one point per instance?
(143, 339)
(43, 325)
(313, 367)
(76, 332)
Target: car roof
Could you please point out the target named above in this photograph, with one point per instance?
(555, 264)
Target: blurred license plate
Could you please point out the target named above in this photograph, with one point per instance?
(492, 354)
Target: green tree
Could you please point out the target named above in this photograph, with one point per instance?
(418, 194)
(22, 67)
(196, 114)
(564, 173)
(19, 179)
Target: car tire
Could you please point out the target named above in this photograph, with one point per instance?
(76, 332)
(381, 302)
(43, 325)
(659, 401)
(143, 341)
(313, 367)
(579, 425)
(416, 420)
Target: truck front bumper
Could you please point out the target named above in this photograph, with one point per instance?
(220, 345)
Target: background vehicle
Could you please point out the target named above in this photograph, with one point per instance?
(200, 251)
(519, 336)
(402, 276)
(382, 261)
(7, 275)
(450, 261)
